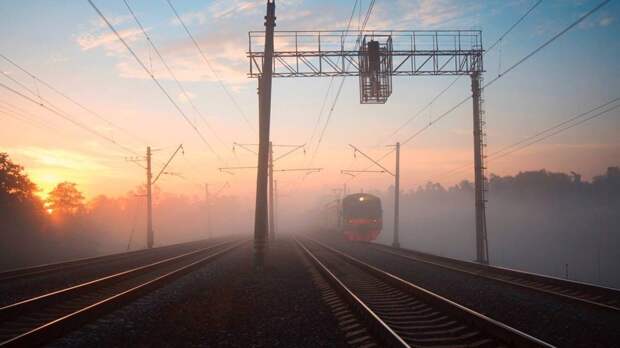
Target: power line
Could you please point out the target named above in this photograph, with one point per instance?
(331, 110)
(179, 85)
(331, 81)
(75, 102)
(412, 118)
(120, 38)
(353, 177)
(547, 130)
(544, 134)
(213, 71)
(320, 115)
(599, 114)
(512, 67)
(67, 118)
(26, 120)
(514, 25)
(18, 113)
(522, 60)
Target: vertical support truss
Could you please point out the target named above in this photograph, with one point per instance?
(375, 65)
(482, 248)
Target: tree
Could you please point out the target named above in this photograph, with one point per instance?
(65, 199)
(15, 186)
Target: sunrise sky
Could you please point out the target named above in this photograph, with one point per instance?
(67, 45)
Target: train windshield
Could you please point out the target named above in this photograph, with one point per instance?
(367, 209)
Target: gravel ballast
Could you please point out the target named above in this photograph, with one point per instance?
(12, 291)
(224, 303)
(541, 315)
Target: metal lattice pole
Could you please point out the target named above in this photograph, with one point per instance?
(272, 235)
(396, 242)
(208, 207)
(482, 251)
(149, 201)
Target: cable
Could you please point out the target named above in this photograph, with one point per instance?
(66, 117)
(411, 119)
(558, 131)
(24, 116)
(544, 134)
(512, 67)
(500, 75)
(179, 85)
(331, 81)
(435, 120)
(331, 110)
(217, 77)
(372, 165)
(555, 126)
(514, 25)
(320, 115)
(54, 89)
(120, 38)
(28, 121)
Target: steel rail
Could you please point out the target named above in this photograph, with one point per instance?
(32, 271)
(36, 311)
(602, 297)
(501, 332)
(379, 327)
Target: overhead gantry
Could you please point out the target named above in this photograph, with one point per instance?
(375, 57)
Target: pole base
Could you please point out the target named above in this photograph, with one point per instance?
(259, 256)
(396, 245)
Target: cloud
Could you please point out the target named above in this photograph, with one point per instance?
(227, 8)
(431, 13)
(225, 43)
(59, 158)
(605, 21)
(219, 9)
(88, 41)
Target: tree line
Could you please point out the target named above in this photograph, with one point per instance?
(65, 225)
(540, 221)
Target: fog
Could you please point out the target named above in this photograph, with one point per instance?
(121, 222)
(550, 223)
(541, 222)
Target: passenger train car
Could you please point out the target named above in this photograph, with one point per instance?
(361, 217)
(357, 217)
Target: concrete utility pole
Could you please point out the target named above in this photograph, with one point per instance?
(150, 238)
(149, 200)
(482, 248)
(272, 235)
(396, 242)
(275, 206)
(264, 119)
(208, 207)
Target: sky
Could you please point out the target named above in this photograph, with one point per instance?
(66, 44)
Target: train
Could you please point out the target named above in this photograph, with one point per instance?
(357, 217)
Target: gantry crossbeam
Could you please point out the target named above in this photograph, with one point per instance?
(335, 53)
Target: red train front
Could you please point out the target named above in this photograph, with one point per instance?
(362, 217)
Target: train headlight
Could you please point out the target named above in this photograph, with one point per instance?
(362, 198)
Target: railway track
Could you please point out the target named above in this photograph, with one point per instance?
(601, 297)
(40, 319)
(46, 269)
(402, 314)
